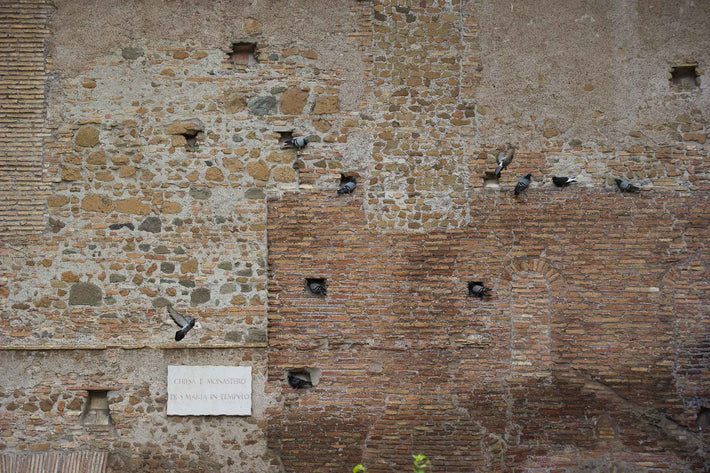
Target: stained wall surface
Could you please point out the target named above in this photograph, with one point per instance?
(141, 166)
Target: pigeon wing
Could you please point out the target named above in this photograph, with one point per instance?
(508, 157)
(179, 319)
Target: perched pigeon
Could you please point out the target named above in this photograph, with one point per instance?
(626, 186)
(299, 143)
(563, 181)
(504, 159)
(347, 188)
(298, 383)
(522, 184)
(185, 322)
(478, 290)
(317, 288)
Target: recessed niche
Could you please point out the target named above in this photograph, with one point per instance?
(284, 136)
(685, 77)
(303, 378)
(703, 419)
(474, 289)
(490, 181)
(345, 178)
(96, 410)
(243, 54)
(316, 286)
(191, 139)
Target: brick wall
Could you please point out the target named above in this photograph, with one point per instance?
(23, 75)
(581, 329)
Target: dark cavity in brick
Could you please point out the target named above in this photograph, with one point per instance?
(243, 54)
(96, 410)
(191, 139)
(309, 281)
(284, 136)
(346, 177)
(490, 181)
(685, 77)
(303, 378)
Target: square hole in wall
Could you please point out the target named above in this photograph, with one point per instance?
(243, 54)
(345, 178)
(490, 181)
(474, 289)
(191, 139)
(284, 136)
(96, 410)
(685, 77)
(303, 378)
(316, 286)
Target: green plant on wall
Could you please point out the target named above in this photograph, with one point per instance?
(421, 462)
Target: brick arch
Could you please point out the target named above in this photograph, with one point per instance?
(554, 278)
(535, 288)
(686, 286)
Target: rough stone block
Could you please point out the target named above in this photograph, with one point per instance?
(85, 293)
(293, 101)
(87, 136)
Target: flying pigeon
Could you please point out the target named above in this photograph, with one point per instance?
(522, 184)
(563, 181)
(626, 186)
(348, 187)
(298, 383)
(317, 288)
(478, 290)
(504, 159)
(185, 322)
(299, 143)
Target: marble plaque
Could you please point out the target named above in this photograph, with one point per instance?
(209, 390)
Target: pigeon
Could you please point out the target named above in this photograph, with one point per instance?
(475, 289)
(185, 322)
(298, 383)
(563, 181)
(504, 159)
(522, 184)
(317, 288)
(299, 143)
(347, 188)
(626, 186)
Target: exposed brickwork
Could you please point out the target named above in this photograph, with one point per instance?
(152, 188)
(581, 327)
(23, 75)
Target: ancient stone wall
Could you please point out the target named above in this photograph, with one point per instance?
(142, 166)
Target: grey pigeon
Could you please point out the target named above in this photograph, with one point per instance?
(298, 383)
(478, 290)
(299, 143)
(317, 288)
(504, 159)
(522, 184)
(563, 181)
(185, 322)
(348, 187)
(626, 186)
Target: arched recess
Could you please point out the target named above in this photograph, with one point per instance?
(687, 287)
(536, 290)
